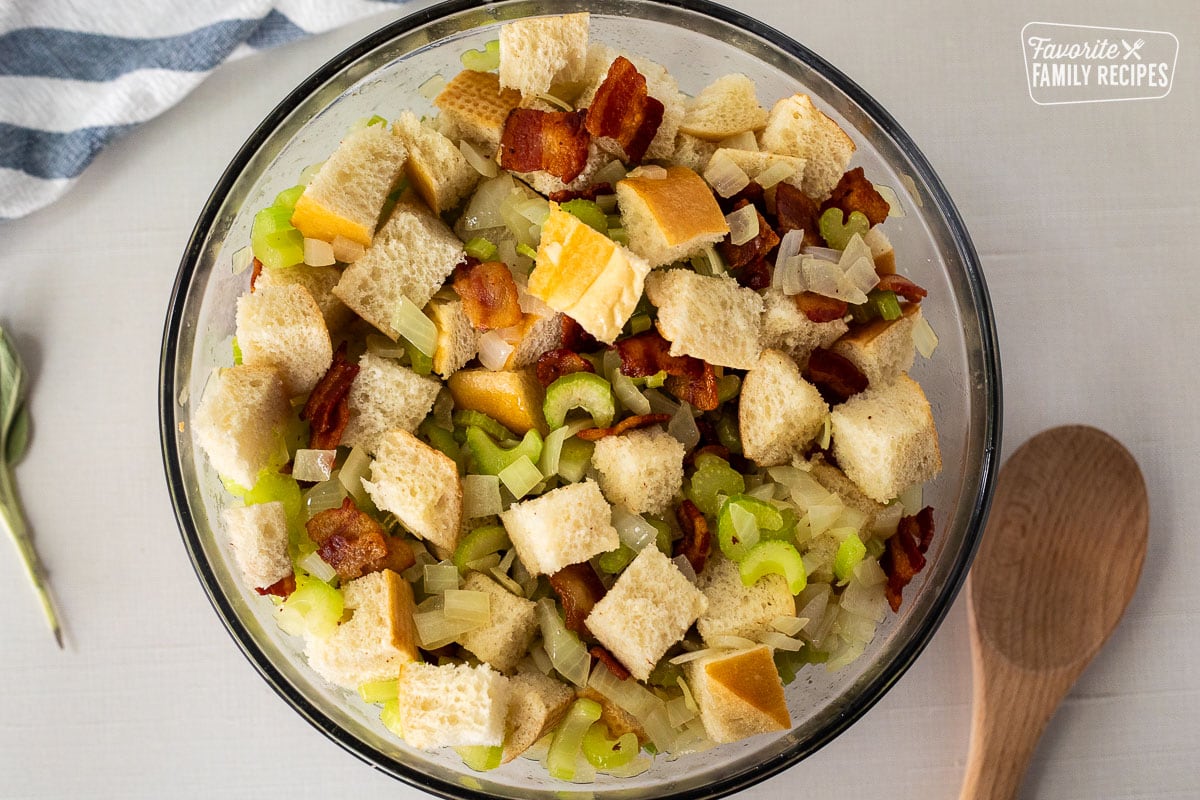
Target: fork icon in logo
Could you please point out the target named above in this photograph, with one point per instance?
(1132, 49)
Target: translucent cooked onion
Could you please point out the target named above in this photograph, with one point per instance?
(866, 601)
(827, 253)
(561, 105)
(924, 339)
(521, 476)
(778, 641)
(552, 446)
(480, 163)
(242, 259)
(313, 466)
(357, 466)
(325, 495)
(724, 176)
(822, 516)
(815, 600)
(384, 347)
(411, 323)
(777, 172)
(481, 496)
(568, 655)
(912, 499)
(895, 209)
(440, 577)
(862, 275)
(790, 245)
(659, 402)
(534, 209)
(727, 642)
(685, 567)
(483, 210)
(821, 276)
(886, 521)
(788, 626)
(740, 141)
(494, 350)
(610, 173)
(466, 605)
(743, 224)
(318, 253)
(789, 276)
(635, 532)
(432, 87)
(683, 427)
(507, 582)
(316, 566)
(649, 171)
(695, 655)
(632, 697)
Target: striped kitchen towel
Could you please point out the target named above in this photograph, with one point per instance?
(76, 74)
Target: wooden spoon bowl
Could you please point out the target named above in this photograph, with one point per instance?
(1058, 564)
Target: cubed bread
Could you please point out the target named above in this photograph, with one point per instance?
(669, 218)
(385, 396)
(376, 641)
(420, 485)
(881, 349)
(739, 694)
(705, 317)
(457, 339)
(539, 334)
(282, 327)
(779, 413)
(786, 328)
(536, 704)
(726, 107)
(735, 609)
(641, 470)
(346, 195)
(477, 106)
(411, 257)
(648, 609)
(582, 273)
(239, 421)
(506, 639)
(834, 480)
(319, 281)
(755, 162)
(692, 152)
(453, 705)
(565, 526)
(538, 52)
(660, 84)
(258, 536)
(436, 168)
(511, 397)
(884, 439)
(796, 127)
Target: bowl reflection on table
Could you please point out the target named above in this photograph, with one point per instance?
(382, 75)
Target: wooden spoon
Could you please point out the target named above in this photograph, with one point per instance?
(1059, 561)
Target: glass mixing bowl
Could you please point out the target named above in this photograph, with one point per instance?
(697, 41)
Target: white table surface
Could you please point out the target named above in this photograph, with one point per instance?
(1084, 217)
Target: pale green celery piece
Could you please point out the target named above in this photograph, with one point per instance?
(484, 60)
(568, 739)
(850, 552)
(480, 757)
(389, 715)
(379, 691)
(605, 753)
(14, 440)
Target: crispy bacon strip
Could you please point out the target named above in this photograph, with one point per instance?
(354, 544)
(835, 376)
(905, 553)
(327, 409)
(554, 141)
(819, 308)
(697, 388)
(739, 255)
(553, 364)
(489, 294)
(696, 541)
(855, 193)
(796, 211)
(256, 267)
(627, 424)
(903, 287)
(688, 378)
(756, 275)
(574, 337)
(589, 193)
(609, 660)
(280, 588)
(579, 588)
(752, 192)
(623, 110)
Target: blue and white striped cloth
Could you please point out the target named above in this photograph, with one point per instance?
(76, 74)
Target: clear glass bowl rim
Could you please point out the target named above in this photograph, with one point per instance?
(859, 704)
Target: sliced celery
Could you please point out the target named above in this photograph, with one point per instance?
(614, 561)
(273, 239)
(574, 459)
(656, 380)
(237, 351)
(484, 60)
(479, 757)
(489, 458)
(480, 248)
(849, 553)
(379, 691)
(662, 538)
(439, 438)
(288, 197)
(468, 417)
(376, 120)
(713, 476)
(729, 433)
(479, 543)
(728, 387)
(776, 557)
(640, 323)
(605, 753)
(313, 609)
(584, 390)
(836, 233)
(527, 251)
(389, 715)
(588, 212)
(568, 739)
(521, 476)
(275, 486)
(420, 363)
(737, 530)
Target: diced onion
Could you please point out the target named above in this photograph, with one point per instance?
(467, 605)
(821, 276)
(481, 164)
(716, 264)
(484, 563)
(729, 642)
(632, 697)
(867, 601)
(802, 487)
(552, 446)
(610, 173)
(521, 476)
(507, 582)
(481, 496)
(743, 224)
(607, 202)
(242, 259)
(855, 628)
(540, 660)
(688, 697)
(685, 567)
(911, 499)
(788, 626)
(535, 209)
(313, 466)
(494, 350)
(635, 532)
(325, 495)
(435, 630)
(558, 103)
(483, 210)
(847, 655)
(310, 172)
(724, 176)
(895, 209)
(789, 276)
(347, 250)
(815, 598)
(694, 655)
(411, 323)
(568, 655)
(384, 347)
(862, 275)
(827, 253)
(887, 520)
(357, 465)
(740, 141)
(649, 171)
(316, 566)
(318, 253)
(826, 432)
(432, 87)
(924, 339)
(440, 576)
(778, 641)
(683, 427)
(779, 171)
(623, 387)
(789, 246)
(659, 402)
(821, 516)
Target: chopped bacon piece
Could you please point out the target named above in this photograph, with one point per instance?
(609, 660)
(797, 211)
(752, 192)
(280, 588)
(590, 193)
(855, 193)
(819, 308)
(624, 111)
(554, 141)
(579, 588)
(627, 424)
(553, 364)
(354, 544)
(327, 409)
(697, 539)
(903, 287)
(574, 337)
(489, 295)
(905, 553)
(739, 255)
(756, 275)
(255, 271)
(835, 376)
(688, 378)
